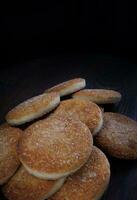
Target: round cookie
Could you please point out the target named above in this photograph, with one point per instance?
(9, 161)
(86, 111)
(23, 186)
(68, 87)
(53, 148)
(89, 182)
(99, 96)
(33, 108)
(118, 137)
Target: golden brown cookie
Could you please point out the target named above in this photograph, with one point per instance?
(86, 111)
(23, 186)
(88, 183)
(4, 125)
(99, 96)
(118, 137)
(53, 148)
(68, 87)
(32, 108)
(9, 161)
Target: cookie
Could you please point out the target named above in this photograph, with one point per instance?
(23, 186)
(68, 87)
(99, 96)
(53, 148)
(9, 162)
(32, 108)
(89, 182)
(118, 137)
(86, 111)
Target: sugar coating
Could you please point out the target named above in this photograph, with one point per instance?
(68, 87)
(87, 111)
(99, 96)
(9, 161)
(89, 182)
(118, 137)
(33, 108)
(55, 145)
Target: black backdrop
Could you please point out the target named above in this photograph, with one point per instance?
(49, 27)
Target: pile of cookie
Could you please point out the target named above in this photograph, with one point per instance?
(54, 157)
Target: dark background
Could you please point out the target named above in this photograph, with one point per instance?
(44, 43)
(43, 28)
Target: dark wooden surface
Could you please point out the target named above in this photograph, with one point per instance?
(21, 81)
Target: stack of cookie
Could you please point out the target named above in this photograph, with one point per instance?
(54, 157)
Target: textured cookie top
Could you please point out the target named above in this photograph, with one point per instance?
(23, 186)
(9, 161)
(68, 87)
(99, 96)
(89, 182)
(86, 111)
(55, 146)
(118, 137)
(33, 108)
